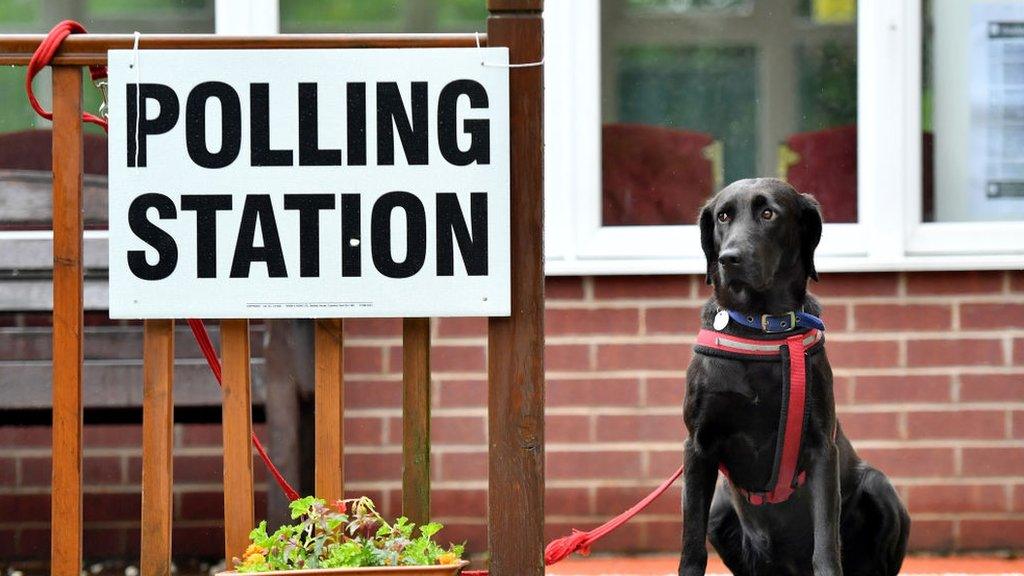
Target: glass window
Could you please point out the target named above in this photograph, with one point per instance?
(973, 110)
(383, 16)
(698, 93)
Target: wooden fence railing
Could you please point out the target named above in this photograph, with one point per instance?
(515, 343)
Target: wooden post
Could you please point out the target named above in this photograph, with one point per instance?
(237, 429)
(66, 500)
(157, 442)
(329, 399)
(416, 419)
(515, 511)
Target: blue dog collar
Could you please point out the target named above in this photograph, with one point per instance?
(776, 323)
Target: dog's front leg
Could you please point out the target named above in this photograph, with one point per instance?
(825, 503)
(698, 489)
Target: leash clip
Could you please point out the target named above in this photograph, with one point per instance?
(101, 85)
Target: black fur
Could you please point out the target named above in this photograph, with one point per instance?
(847, 518)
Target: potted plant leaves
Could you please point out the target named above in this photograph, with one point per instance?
(348, 537)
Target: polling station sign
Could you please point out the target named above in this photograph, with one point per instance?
(309, 183)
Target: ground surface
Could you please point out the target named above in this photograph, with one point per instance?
(667, 565)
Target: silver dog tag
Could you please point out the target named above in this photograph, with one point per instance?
(721, 320)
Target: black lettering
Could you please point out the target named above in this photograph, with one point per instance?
(310, 153)
(309, 207)
(259, 139)
(165, 119)
(231, 125)
(415, 237)
(479, 150)
(452, 222)
(351, 243)
(258, 207)
(206, 207)
(391, 114)
(158, 238)
(356, 101)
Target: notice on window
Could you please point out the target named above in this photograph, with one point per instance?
(997, 111)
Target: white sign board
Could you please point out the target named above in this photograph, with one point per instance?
(309, 183)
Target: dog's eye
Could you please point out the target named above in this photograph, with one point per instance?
(767, 214)
(723, 217)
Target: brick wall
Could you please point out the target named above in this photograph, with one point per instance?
(929, 372)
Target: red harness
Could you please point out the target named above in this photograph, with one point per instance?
(787, 478)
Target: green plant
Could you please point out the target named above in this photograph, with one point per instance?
(349, 533)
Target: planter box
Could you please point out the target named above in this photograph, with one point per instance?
(439, 570)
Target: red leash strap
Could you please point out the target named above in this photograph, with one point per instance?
(42, 58)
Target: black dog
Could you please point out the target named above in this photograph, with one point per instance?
(834, 514)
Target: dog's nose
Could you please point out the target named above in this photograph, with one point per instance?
(729, 257)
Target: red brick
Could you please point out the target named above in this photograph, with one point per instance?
(101, 470)
(372, 467)
(463, 466)
(373, 327)
(26, 507)
(593, 465)
(663, 463)
(373, 394)
(672, 320)
(458, 430)
(626, 540)
(842, 389)
(567, 502)
(902, 389)
(580, 321)
(1018, 351)
(870, 425)
(972, 282)
(198, 541)
(7, 547)
(474, 535)
(1018, 498)
(593, 392)
(992, 461)
(201, 506)
(112, 506)
(895, 317)
(8, 472)
(641, 287)
(612, 500)
(1018, 424)
(199, 469)
(931, 535)
(200, 434)
(664, 534)
(910, 462)
(988, 316)
(563, 428)
(962, 424)
(1016, 280)
(462, 327)
(454, 358)
(24, 436)
(960, 352)
(563, 288)
(855, 284)
(566, 357)
(641, 428)
(367, 431)
(36, 471)
(834, 317)
(461, 503)
(35, 543)
(462, 393)
(364, 359)
(665, 391)
(991, 534)
(991, 387)
(863, 353)
(112, 435)
(105, 542)
(643, 356)
(959, 498)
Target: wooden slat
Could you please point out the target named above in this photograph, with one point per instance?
(416, 419)
(91, 49)
(157, 440)
(515, 512)
(330, 409)
(237, 424)
(66, 500)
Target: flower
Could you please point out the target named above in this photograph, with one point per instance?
(341, 506)
(447, 558)
(253, 560)
(253, 550)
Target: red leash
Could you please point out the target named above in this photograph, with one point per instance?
(553, 553)
(42, 58)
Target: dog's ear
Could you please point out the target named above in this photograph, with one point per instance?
(707, 237)
(810, 232)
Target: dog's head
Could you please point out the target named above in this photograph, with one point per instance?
(759, 236)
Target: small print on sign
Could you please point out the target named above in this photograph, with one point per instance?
(309, 183)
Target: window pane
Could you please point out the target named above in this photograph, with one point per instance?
(973, 105)
(383, 16)
(698, 93)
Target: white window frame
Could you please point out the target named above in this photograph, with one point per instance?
(889, 234)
